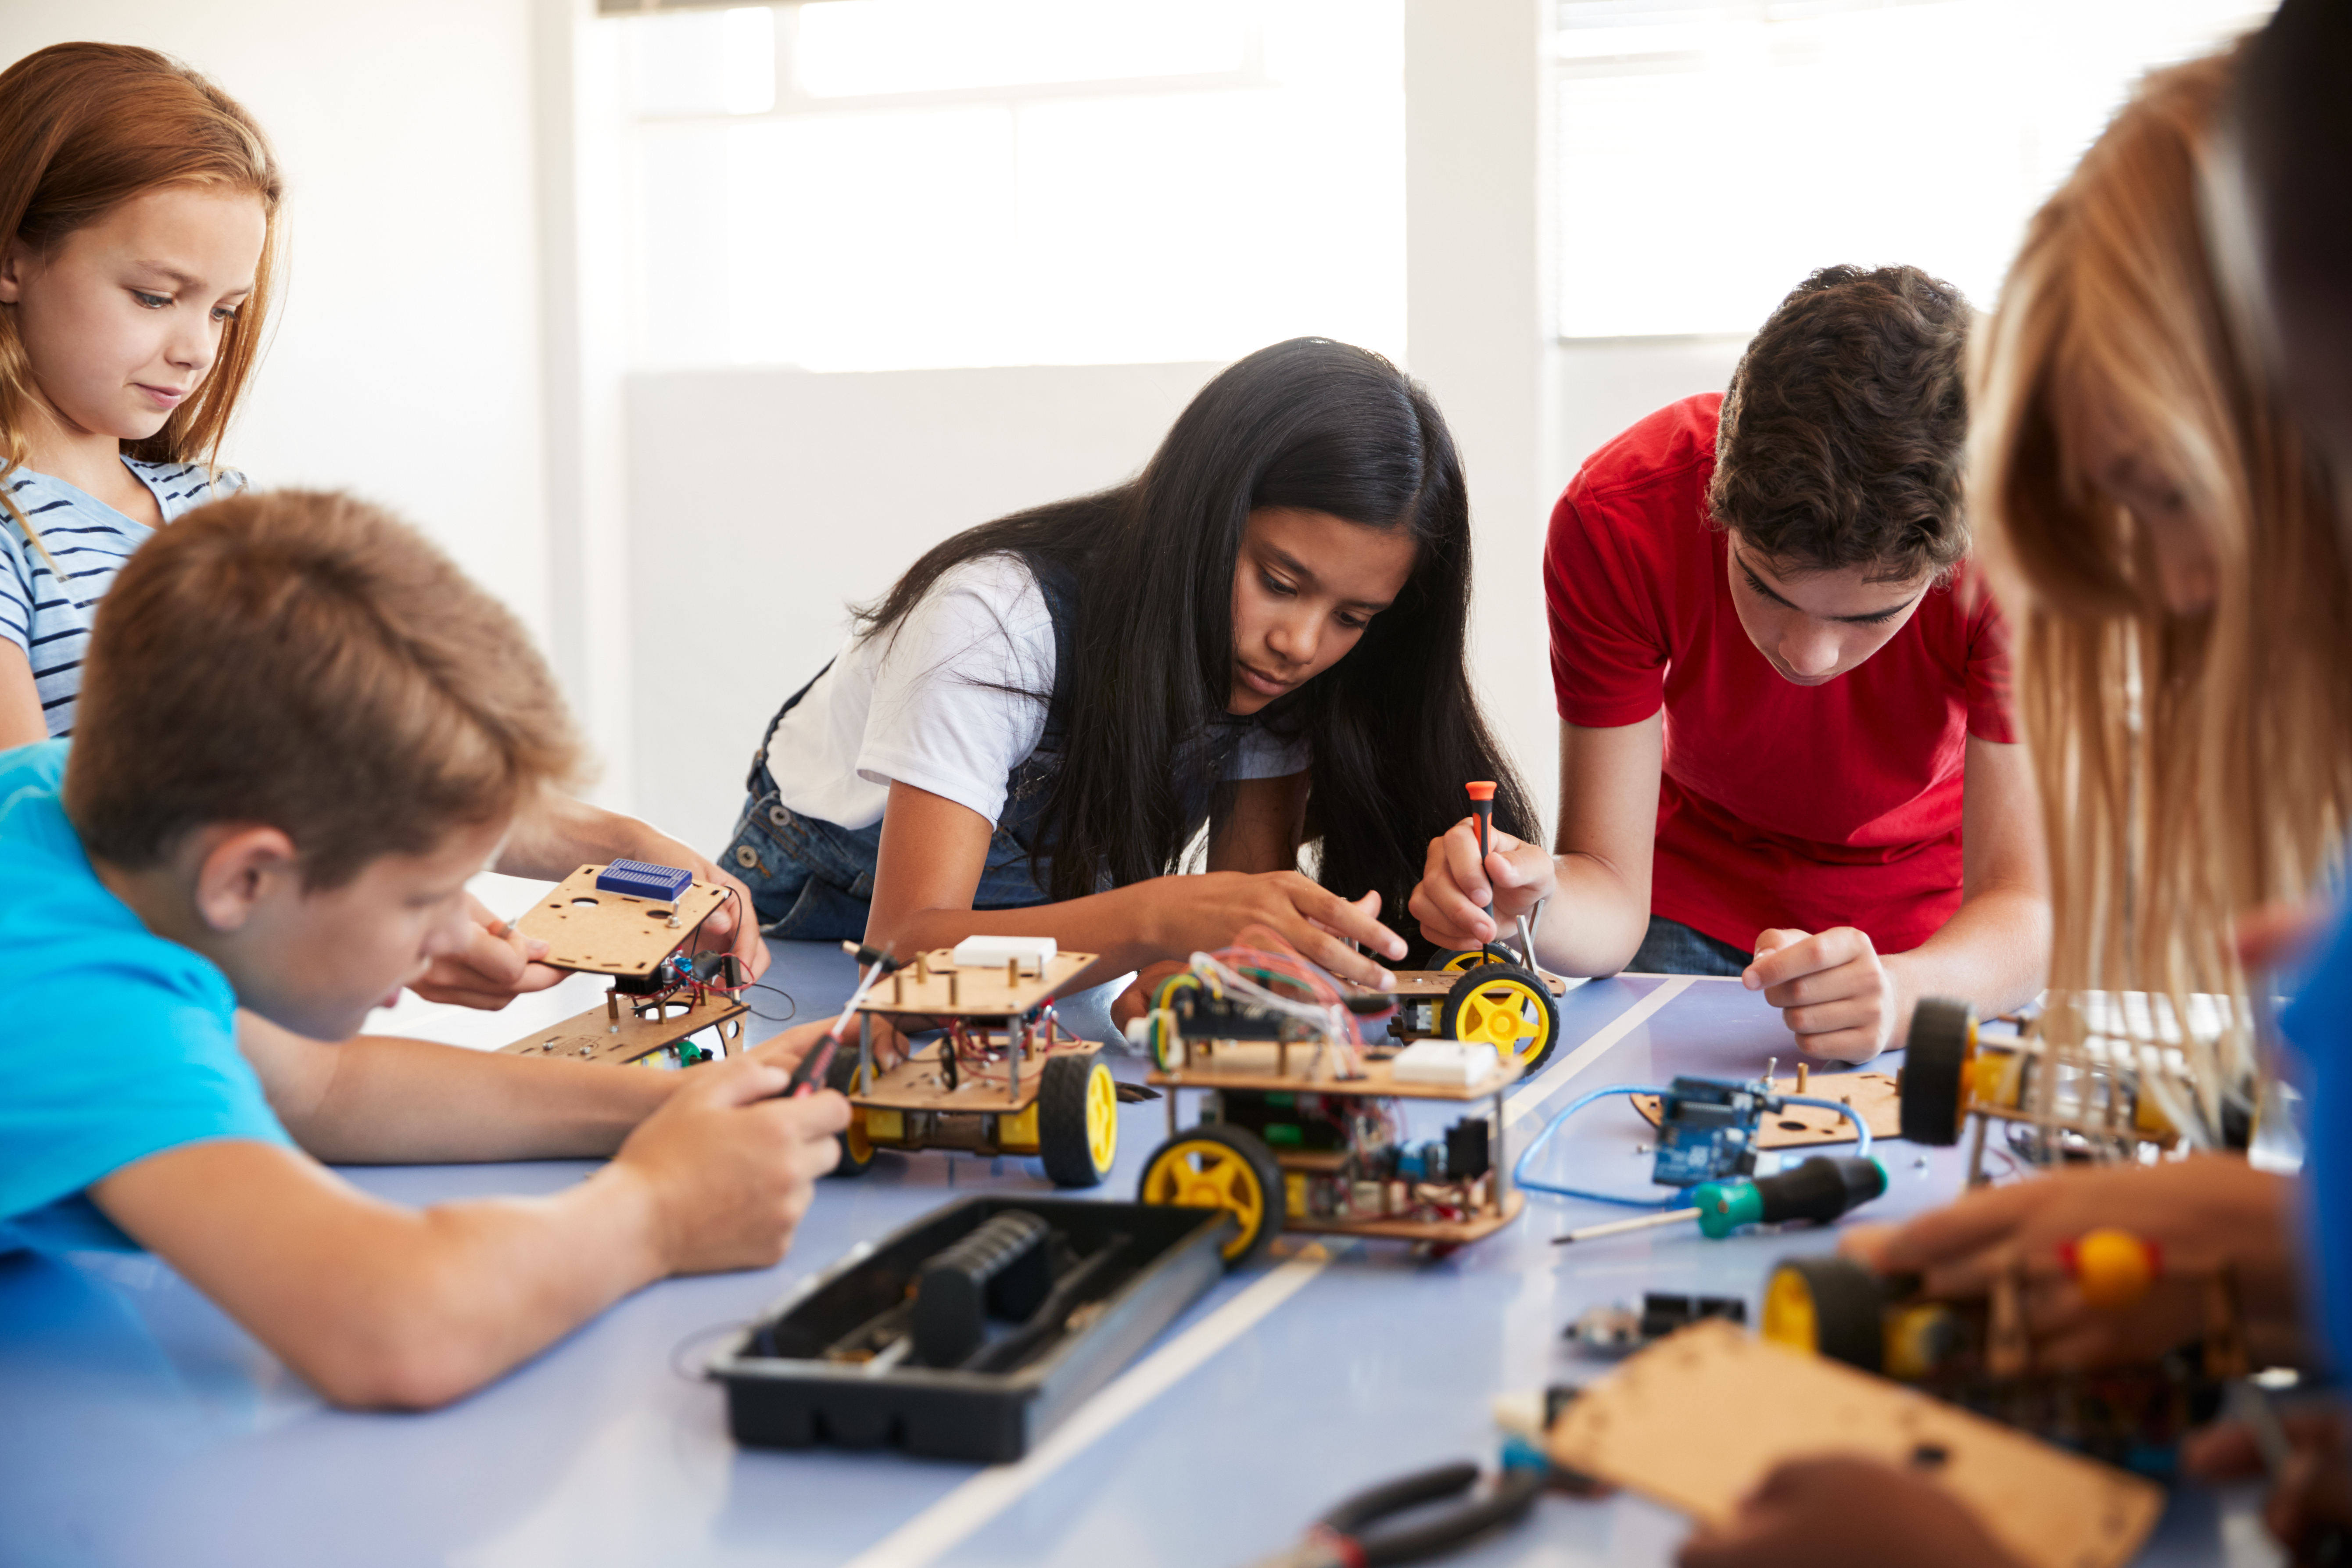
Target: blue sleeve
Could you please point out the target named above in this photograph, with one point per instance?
(2320, 1024)
(120, 1044)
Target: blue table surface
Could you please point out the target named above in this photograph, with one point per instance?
(138, 1425)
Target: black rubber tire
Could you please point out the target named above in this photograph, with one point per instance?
(1849, 1309)
(1251, 1149)
(1932, 1103)
(1475, 980)
(839, 1074)
(1064, 1146)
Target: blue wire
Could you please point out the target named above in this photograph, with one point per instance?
(1527, 1155)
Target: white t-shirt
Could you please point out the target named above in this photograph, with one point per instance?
(921, 703)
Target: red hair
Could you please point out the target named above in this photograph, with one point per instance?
(85, 127)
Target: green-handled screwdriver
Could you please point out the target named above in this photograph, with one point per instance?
(1820, 1189)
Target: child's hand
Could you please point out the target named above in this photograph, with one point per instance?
(498, 964)
(1196, 914)
(1837, 1511)
(1832, 989)
(730, 1168)
(2204, 1211)
(1456, 885)
(2310, 1496)
(786, 1049)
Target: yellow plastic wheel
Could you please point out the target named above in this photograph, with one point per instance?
(856, 1149)
(1214, 1166)
(1509, 1008)
(1827, 1306)
(1077, 1120)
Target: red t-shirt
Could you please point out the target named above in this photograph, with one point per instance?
(1781, 804)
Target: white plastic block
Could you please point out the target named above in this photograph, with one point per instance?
(1456, 1063)
(996, 952)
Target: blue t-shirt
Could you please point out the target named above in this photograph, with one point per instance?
(48, 615)
(119, 1044)
(2320, 1022)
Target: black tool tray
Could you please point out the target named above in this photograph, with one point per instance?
(783, 1393)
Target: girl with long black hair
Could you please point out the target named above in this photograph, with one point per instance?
(1262, 633)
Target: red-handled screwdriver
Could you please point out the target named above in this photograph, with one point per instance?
(1482, 805)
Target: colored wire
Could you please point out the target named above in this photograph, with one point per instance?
(1534, 1144)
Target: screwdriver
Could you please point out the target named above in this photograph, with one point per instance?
(1820, 1189)
(1482, 805)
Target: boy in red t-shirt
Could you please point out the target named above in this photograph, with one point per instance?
(1786, 749)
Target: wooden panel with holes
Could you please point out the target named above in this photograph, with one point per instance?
(919, 1082)
(614, 933)
(1697, 1420)
(598, 1035)
(1264, 1065)
(938, 987)
(1873, 1095)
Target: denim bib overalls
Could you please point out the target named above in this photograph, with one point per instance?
(812, 879)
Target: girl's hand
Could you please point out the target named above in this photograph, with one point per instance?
(1832, 989)
(498, 964)
(1456, 885)
(1201, 913)
(1840, 1512)
(2203, 1211)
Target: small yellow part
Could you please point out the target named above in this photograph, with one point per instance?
(1915, 1337)
(1200, 1172)
(2112, 1269)
(1509, 1016)
(888, 1127)
(1463, 963)
(861, 1146)
(1019, 1134)
(1294, 1194)
(1789, 1317)
(2147, 1117)
(1102, 1118)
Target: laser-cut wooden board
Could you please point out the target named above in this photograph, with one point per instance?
(613, 932)
(597, 1036)
(918, 1084)
(979, 990)
(1697, 1420)
(1417, 985)
(1250, 1065)
(1875, 1095)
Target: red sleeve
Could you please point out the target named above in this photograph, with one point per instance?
(1991, 715)
(1608, 642)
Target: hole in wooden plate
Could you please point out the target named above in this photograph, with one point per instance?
(583, 904)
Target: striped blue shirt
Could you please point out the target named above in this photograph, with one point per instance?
(50, 619)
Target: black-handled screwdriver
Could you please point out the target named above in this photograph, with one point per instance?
(1820, 1189)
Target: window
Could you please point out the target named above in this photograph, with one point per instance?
(1713, 154)
(879, 184)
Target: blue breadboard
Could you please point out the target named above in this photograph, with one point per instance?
(639, 880)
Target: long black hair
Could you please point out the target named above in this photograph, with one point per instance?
(1395, 731)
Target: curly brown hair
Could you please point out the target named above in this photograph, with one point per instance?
(1842, 439)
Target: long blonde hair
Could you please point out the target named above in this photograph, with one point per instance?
(2190, 766)
(85, 127)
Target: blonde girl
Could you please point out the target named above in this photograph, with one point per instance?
(139, 213)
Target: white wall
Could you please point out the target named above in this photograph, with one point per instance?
(761, 502)
(404, 358)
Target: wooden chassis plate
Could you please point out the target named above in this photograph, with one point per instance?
(1415, 985)
(981, 991)
(914, 1084)
(593, 1036)
(1874, 1096)
(1380, 1077)
(1456, 1232)
(613, 932)
(1697, 1420)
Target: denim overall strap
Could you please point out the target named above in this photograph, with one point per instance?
(757, 781)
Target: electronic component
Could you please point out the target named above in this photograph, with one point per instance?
(1031, 953)
(1707, 1130)
(640, 878)
(1461, 1063)
(1619, 1330)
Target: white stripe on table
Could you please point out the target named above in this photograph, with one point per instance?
(1525, 1101)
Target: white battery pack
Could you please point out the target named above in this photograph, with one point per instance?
(1034, 953)
(1456, 1063)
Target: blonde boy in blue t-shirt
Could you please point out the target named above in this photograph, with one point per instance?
(301, 731)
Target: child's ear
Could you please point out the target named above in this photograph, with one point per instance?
(239, 869)
(14, 260)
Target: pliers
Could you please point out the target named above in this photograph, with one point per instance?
(1337, 1539)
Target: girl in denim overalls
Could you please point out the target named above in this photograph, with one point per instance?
(1261, 636)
